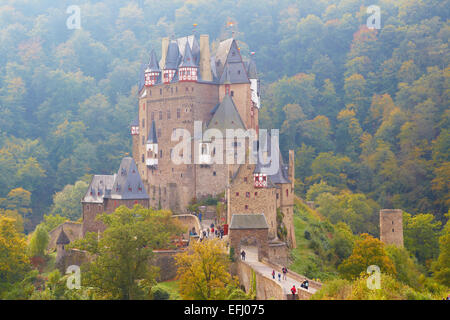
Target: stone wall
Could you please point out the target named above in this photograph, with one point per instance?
(165, 260)
(249, 237)
(188, 221)
(92, 210)
(72, 257)
(73, 230)
(312, 284)
(266, 289)
(278, 252)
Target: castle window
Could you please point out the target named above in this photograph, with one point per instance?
(187, 89)
(392, 230)
(256, 194)
(160, 115)
(143, 140)
(246, 207)
(287, 193)
(178, 113)
(278, 195)
(143, 123)
(87, 207)
(237, 194)
(245, 179)
(247, 194)
(168, 114)
(214, 173)
(160, 153)
(392, 222)
(143, 159)
(160, 91)
(192, 89)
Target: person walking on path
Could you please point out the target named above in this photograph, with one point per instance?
(279, 276)
(273, 274)
(294, 291)
(284, 273)
(243, 255)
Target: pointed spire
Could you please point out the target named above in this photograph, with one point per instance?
(188, 59)
(172, 56)
(153, 64)
(152, 138)
(62, 238)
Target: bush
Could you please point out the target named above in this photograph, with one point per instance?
(160, 294)
(307, 235)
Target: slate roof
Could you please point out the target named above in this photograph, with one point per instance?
(152, 137)
(248, 221)
(173, 56)
(188, 59)
(99, 186)
(229, 67)
(62, 238)
(153, 64)
(127, 182)
(226, 116)
(282, 175)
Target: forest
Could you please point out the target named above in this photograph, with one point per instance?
(366, 110)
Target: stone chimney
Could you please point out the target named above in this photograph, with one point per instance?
(391, 226)
(164, 46)
(205, 58)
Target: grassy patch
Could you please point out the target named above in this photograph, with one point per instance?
(311, 234)
(172, 288)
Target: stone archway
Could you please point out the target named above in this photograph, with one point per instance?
(252, 248)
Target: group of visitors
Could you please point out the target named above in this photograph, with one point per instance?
(284, 270)
(212, 232)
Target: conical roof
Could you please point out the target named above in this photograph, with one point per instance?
(172, 57)
(153, 64)
(188, 59)
(62, 238)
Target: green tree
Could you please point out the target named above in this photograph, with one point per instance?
(421, 236)
(66, 203)
(14, 262)
(38, 242)
(121, 268)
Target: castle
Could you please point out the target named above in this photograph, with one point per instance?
(197, 97)
(189, 90)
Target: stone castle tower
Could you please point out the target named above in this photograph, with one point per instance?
(391, 226)
(190, 85)
(191, 95)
